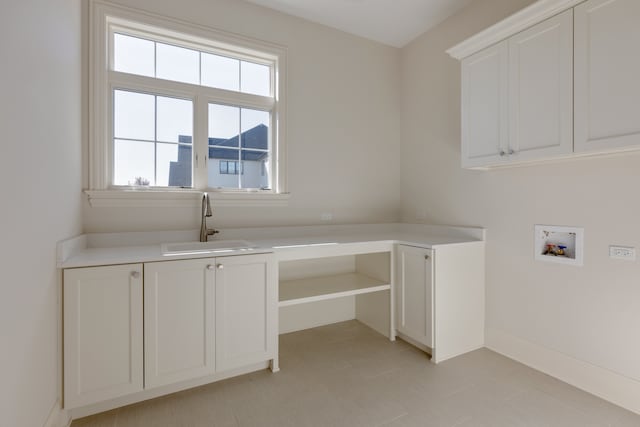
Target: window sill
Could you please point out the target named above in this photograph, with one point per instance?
(181, 198)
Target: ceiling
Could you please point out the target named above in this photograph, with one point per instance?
(392, 22)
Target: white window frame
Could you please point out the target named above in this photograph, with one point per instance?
(107, 18)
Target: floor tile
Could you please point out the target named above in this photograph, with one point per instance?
(347, 375)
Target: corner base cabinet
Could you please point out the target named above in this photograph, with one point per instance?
(440, 296)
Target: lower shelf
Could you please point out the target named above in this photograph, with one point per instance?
(302, 291)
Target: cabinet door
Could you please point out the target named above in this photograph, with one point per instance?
(246, 304)
(179, 320)
(607, 66)
(102, 333)
(414, 284)
(540, 90)
(484, 106)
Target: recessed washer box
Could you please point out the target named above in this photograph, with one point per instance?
(560, 244)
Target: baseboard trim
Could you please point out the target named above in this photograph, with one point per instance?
(58, 417)
(608, 385)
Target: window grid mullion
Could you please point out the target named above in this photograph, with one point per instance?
(155, 143)
(239, 145)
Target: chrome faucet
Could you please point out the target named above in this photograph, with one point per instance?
(206, 212)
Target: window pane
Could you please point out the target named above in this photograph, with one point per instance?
(224, 125)
(255, 79)
(221, 72)
(133, 55)
(255, 169)
(133, 163)
(173, 165)
(134, 115)
(224, 129)
(255, 129)
(177, 64)
(222, 173)
(175, 120)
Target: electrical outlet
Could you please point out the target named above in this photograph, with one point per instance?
(327, 216)
(622, 252)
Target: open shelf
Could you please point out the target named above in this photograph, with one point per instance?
(312, 289)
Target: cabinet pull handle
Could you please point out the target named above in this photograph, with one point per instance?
(135, 274)
(210, 267)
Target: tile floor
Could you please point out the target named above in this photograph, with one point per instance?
(348, 375)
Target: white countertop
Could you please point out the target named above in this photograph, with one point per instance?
(286, 242)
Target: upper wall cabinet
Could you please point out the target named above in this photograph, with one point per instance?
(607, 67)
(569, 91)
(517, 96)
(484, 107)
(540, 90)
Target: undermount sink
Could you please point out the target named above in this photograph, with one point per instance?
(215, 246)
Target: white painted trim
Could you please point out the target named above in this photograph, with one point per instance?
(181, 198)
(614, 387)
(519, 21)
(105, 15)
(57, 417)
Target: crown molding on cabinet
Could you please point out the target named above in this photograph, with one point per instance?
(519, 21)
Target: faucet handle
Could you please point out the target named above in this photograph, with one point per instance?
(212, 231)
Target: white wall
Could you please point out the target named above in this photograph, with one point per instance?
(40, 122)
(590, 313)
(343, 132)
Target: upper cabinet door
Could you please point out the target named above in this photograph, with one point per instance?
(540, 90)
(246, 310)
(179, 331)
(607, 70)
(484, 106)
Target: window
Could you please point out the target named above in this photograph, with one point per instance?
(231, 168)
(177, 107)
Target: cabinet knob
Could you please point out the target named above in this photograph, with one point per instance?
(210, 267)
(135, 274)
(511, 151)
(219, 266)
(502, 153)
(426, 257)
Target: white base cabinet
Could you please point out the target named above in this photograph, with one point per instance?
(201, 317)
(440, 298)
(102, 333)
(414, 290)
(246, 311)
(179, 316)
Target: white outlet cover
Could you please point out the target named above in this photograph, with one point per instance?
(327, 216)
(626, 253)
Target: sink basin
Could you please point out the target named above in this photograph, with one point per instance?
(215, 246)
